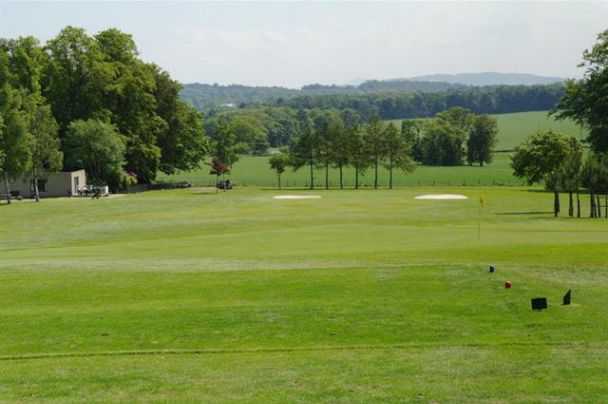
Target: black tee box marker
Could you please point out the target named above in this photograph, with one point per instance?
(567, 297)
(539, 303)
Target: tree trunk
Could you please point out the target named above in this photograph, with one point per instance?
(606, 206)
(36, 192)
(327, 175)
(556, 204)
(481, 163)
(356, 177)
(578, 204)
(599, 206)
(390, 174)
(312, 175)
(570, 205)
(8, 189)
(279, 175)
(376, 174)
(341, 182)
(591, 205)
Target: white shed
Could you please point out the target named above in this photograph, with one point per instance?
(65, 183)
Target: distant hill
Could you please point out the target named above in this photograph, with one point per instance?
(489, 79)
(208, 96)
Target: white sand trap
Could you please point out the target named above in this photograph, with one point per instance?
(441, 197)
(297, 197)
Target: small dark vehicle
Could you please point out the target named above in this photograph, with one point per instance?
(224, 184)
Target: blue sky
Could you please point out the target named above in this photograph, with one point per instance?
(296, 43)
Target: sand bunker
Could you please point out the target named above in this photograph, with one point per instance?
(297, 197)
(442, 197)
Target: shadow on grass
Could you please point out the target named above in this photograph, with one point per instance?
(523, 213)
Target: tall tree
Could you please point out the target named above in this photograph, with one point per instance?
(322, 122)
(45, 146)
(540, 158)
(339, 153)
(98, 148)
(482, 139)
(304, 150)
(15, 138)
(397, 152)
(224, 148)
(594, 176)
(586, 100)
(357, 150)
(279, 162)
(183, 144)
(570, 175)
(375, 144)
(441, 143)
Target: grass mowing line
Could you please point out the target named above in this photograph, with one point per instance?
(60, 355)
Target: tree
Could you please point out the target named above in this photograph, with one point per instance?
(304, 150)
(183, 144)
(481, 140)
(98, 148)
(324, 123)
(586, 100)
(45, 146)
(279, 162)
(441, 144)
(397, 152)
(223, 148)
(339, 153)
(411, 130)
(570, 175)
(357, 150)
(14, 136)
(540, 158)
(459, 118)
(375, 145)
(594, 176)
(102, 77)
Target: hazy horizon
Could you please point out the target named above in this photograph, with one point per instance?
(292, 44)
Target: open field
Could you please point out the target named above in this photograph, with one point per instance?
(365, 296)
(513, 129)
(516, 127)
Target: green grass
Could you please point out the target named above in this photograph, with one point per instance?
(367, 296)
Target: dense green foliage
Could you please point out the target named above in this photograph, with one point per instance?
(586, 100)
(356, 297)
(77, 77)
(97, 147)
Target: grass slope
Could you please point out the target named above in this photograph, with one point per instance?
(359, 296)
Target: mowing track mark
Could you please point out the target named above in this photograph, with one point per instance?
(60, 355)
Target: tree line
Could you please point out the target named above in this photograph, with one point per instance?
(81, 101)
(390, 99)
(336, 139)
(481, 100)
